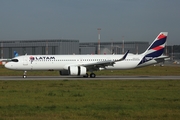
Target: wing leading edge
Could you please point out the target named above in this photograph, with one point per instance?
(103, 64)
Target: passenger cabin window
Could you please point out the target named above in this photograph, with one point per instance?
(14, 60)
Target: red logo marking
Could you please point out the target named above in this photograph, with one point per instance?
(158, 48)
(161, 36)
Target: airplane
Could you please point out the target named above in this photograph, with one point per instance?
(80, 65)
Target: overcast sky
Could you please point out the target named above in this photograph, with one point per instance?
(136, 20)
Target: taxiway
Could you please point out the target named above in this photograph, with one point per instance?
(97, 78)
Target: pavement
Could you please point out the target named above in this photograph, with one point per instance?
(97, 78)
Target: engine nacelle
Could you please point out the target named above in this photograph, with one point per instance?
(77, 70)
(74, 70)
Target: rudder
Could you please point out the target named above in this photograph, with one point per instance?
(156, 48)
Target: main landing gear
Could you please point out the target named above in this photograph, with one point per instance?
(92, 75)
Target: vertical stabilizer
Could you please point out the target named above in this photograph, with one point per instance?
(156, 49)
(15, 54)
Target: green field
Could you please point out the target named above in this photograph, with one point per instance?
(112, 100)
(92, 99)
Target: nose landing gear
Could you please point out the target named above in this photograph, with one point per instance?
(24, 74)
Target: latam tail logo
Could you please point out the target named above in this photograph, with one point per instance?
(31, 59)
(156, 49)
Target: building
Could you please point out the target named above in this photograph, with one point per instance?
(61, 46)
(115, 47)
(36, 47)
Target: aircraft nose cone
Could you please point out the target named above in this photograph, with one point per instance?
(8, 66)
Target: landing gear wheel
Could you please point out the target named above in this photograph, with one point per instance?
(24, 74)
(86, 76)
(92, 75)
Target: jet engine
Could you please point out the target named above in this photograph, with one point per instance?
(74, 70)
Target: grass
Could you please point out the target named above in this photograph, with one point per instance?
(144, 71)
(95, 100)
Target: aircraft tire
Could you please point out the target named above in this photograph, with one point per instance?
(24, 76)
(92, 75)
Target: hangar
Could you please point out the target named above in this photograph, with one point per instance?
(37, 47)
(135, 47)
(63, 46)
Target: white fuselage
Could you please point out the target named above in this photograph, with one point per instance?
(61, 62)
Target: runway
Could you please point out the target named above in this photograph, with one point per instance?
(97, 78)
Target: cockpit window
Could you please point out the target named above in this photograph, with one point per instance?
(14, 60)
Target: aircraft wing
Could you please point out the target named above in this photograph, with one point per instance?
(103, 64)
(5, 60)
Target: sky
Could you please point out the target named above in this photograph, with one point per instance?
(136, 20)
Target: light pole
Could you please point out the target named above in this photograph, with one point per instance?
(99, 29)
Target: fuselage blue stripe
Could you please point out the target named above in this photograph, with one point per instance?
(155, 53)
(151, 55)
